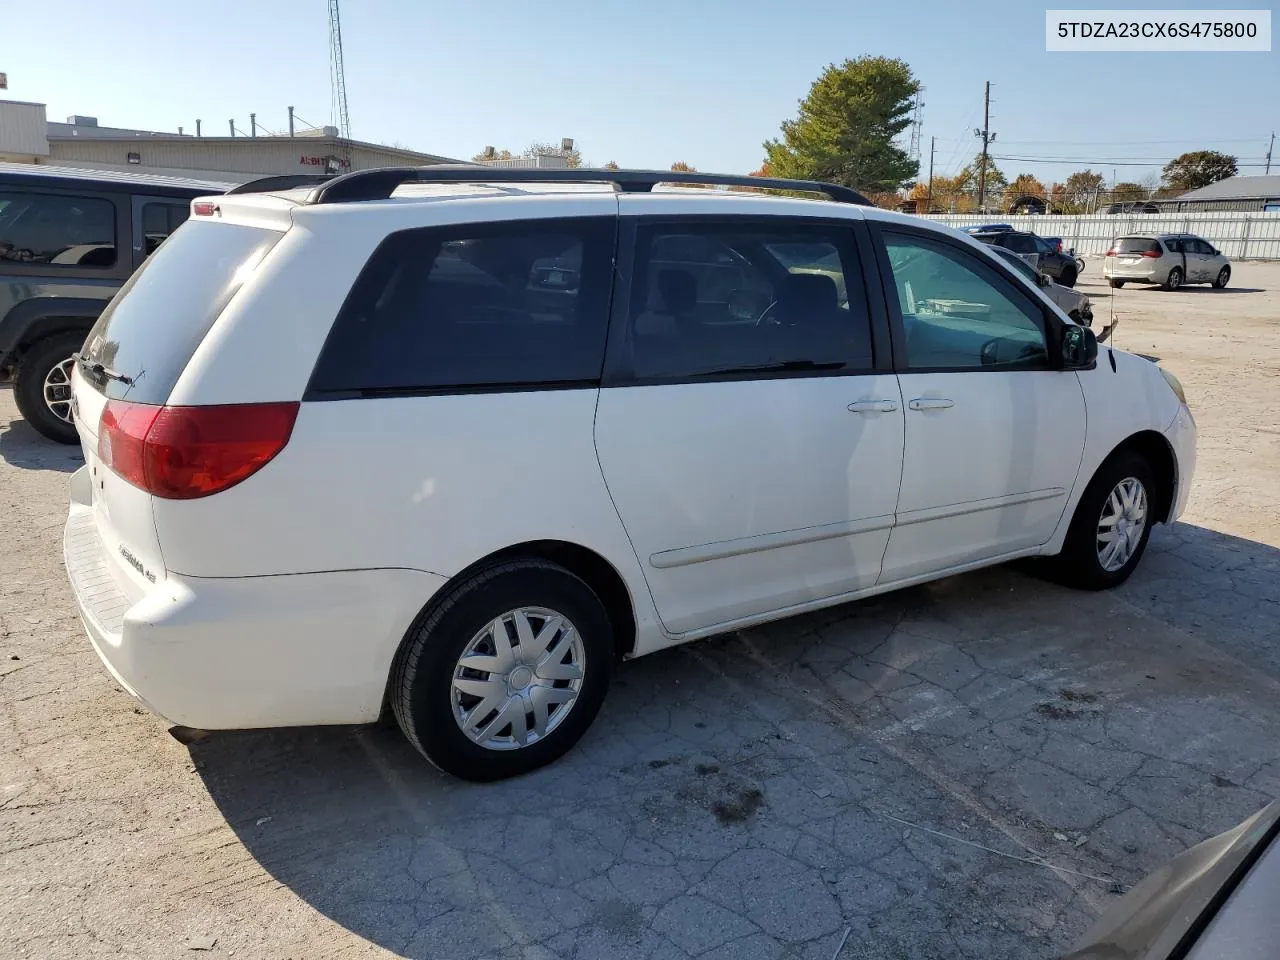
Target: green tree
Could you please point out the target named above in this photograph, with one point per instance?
(995, 185)
(846, 126)
(1197, 169)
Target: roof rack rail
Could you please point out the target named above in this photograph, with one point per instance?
(286, 182)
(380, 184)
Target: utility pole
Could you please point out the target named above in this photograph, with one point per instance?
(1269, 146)
(253, 124)
(928, 203)
(987, 137)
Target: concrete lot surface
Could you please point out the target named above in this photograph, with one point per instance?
(968, 769)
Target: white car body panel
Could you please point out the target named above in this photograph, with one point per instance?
(989, 475)
(283, 599)
(743, 497)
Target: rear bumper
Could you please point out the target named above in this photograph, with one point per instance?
(230, 653)
(1150, 272)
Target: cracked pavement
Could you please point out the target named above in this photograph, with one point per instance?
(971, 768)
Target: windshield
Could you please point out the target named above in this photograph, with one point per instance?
(154, 324)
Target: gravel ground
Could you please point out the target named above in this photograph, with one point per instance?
(891, 778)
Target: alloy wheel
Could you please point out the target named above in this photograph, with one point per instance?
(518, 678)
(57, 390)
(1122, 524)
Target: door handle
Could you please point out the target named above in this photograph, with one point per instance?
(873, 406)
(931, 403)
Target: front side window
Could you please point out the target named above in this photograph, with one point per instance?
(726, 299)
(159, 220)
(58, 230)
(960, 314)
(482, 306)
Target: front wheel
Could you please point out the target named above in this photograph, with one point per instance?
(1174, 280)
(42, 387)
(1111, 526)
(506, 673)
(1117, 284)
(1221, 280)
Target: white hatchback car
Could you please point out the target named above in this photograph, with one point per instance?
(451, 442)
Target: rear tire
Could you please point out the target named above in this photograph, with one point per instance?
(46, 370)
(1123, 486)
(1068, 278)
(1222, 279)
(1117, 284)
(1174, 280)
(434, 694)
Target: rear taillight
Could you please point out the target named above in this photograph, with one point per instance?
(1059, 246)
(1111, 252)
(1151, 253)
(181, 453)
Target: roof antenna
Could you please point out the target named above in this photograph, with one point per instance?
(1111, 327)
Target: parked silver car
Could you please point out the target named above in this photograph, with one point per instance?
(1169, 259)
(1074, 303)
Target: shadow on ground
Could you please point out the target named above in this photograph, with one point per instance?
(21, 446)
(762, 793)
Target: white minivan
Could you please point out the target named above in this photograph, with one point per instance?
(450, 442)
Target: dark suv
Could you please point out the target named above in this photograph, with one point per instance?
(69, 239)
(1053, 261)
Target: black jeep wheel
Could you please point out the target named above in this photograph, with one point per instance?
(42, 386)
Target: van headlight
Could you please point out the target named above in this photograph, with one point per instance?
(1174, 384)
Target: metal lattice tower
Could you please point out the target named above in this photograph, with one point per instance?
(337, 79)
(913, 150)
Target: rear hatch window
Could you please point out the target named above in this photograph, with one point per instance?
(152, 327)
(1136, 245)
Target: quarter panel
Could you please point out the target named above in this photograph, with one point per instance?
(430, 483)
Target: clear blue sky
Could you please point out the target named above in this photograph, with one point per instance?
(645, 84)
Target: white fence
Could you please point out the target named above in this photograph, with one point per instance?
(1241, 236)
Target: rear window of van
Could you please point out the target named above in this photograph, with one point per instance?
(152, 326)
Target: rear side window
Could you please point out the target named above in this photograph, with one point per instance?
(477, 307)
(731, 298)
(159, 220)
(1021, 243)
(154, 323)
(58, 230)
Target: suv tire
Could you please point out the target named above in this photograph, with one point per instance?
(1068, 278)
(1117, 284)
(40, 368)
(1174, 280)
(1130, 480)
(425, 691)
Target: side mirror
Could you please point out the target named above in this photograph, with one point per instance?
(1079, 348)
(1046, 280)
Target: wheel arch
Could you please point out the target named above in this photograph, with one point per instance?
(39, 318)
(594, 570)
(1153, 447)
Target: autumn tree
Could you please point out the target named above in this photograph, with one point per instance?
(1025, 185)
(488, 153)
(681, 167)
(846, 127)
(1079, 192)
(1197, 169)
(612, 165)
(1127, 191)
